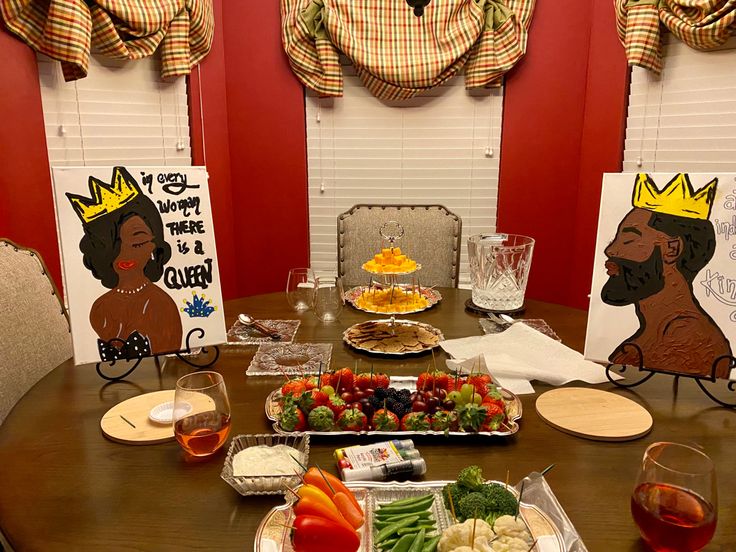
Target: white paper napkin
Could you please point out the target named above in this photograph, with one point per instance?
(521, 354)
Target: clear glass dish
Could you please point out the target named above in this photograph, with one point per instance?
(264, 484)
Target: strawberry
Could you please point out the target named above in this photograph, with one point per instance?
(352, 419)
(293, 387)
(310, 383)
(480, 382)
(493, 396)
(441, 380)
(342, 378)
(381, 380)
(336, 404)
(363, 381)
(385, 420)
(415, 421)
(292, 419)
(471, 416)
(324, 380)
(444, 421)
(455, 384)
(311, 399)
(493, 418)
(424, 381)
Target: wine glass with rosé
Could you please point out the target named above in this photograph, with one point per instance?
(674, 502)
(201, 413)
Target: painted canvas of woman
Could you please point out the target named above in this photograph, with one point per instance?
(124, 248)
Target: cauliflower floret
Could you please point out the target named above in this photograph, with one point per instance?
(512, 527)
(509, 544)
(458, 536)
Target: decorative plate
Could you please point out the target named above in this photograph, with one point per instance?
(513, 409)
(275, 359)
(240, 334)
(431, 295)
(393, 337)
(272, 536)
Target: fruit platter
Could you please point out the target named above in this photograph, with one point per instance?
(434, 403)
(432, 516)
(398, 299)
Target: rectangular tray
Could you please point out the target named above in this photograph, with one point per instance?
(513, 405)
(272, 536)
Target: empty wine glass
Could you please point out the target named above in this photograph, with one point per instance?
(674, 502)
(201, 413)
(300, 288)
(329, 298)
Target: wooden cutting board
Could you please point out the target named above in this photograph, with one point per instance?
(594, 414)
(136, 410)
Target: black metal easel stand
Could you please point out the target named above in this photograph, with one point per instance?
(183, 355)
(647, 374)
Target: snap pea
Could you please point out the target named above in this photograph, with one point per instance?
(382, 518)
(417, 506)
(388, 543)
(389, 530)
(430, 545)
(414, 529)
(409, 500)
(404, 544)
(418, 543)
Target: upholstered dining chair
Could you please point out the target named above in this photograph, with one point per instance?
(34, 328)
(431, 237)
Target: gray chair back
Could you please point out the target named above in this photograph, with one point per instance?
(34, 328)
(432, 238)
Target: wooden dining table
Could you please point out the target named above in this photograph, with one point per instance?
(64, 486)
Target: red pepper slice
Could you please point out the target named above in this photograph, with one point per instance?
(317, 534)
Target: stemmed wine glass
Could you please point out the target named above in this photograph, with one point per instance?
(674, 502)
(201, 413)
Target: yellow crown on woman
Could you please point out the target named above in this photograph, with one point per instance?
(677, 198)
(106, 198)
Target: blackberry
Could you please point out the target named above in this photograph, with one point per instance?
(402, 409)
(393, 405)
(405, 394)
(381, 393)
(375, 402)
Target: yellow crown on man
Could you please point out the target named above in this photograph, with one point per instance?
(677, 198)
(106, 198)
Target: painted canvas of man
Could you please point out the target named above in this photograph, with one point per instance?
(660, 246)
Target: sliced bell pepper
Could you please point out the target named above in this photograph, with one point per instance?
(314, 476)
(349, 511)
(317, 534)
(308, 505)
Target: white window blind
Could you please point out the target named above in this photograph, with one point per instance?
(684, 120)
(442, 147)
(122, 112)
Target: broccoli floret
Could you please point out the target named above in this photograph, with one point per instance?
(457, 493)
(471, 478)
(500, 502)
(472, 505)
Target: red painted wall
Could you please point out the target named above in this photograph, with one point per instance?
(26, 204)
(267, 148)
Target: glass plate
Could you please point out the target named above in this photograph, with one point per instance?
(240, 334)
(431, 295)
(274, 359)
(393, 342)
(272, 536)
(513, 407)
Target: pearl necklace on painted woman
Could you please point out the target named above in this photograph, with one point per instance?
(132, 291)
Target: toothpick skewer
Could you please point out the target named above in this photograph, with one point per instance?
(533, 545)
(507, 479)
(518, 506)
(452, 505)
(472, 535)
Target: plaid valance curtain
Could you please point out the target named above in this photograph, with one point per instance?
(395, 53)
(66, 30)
(701, 24)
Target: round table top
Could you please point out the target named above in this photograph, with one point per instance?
(63, 486)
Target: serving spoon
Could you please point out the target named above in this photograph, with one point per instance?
(247, 320)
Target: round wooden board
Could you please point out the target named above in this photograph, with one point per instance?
(136, 410)
(594, 414)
